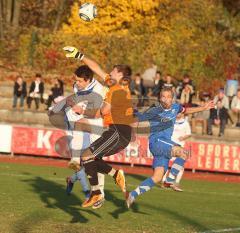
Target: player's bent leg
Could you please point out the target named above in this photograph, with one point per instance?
(96, 194)
(177, 166)
(90, 166)
(100, 203)
(146, 185)
(118, 175)
(101, 181)
(81, 175)
(87, 155)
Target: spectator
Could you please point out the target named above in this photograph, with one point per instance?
(201, 117)
(186, 81)
(19, 91)
(61, 83)
(158, 84)
(36, 91)
(168, 82)
(148, 79)
(137, 88)
(185, 98)
(56, 91)
(235, 107)
(221, 97)
(218, 116)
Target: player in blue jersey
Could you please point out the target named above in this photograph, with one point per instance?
(162, 119)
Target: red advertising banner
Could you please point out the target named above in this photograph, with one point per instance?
(215, 157)
(204, 156)
(36, 141)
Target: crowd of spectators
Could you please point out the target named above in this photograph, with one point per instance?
(226, 109)
(146, 87)
(36, 92)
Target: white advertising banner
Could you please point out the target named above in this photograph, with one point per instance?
(5, 138)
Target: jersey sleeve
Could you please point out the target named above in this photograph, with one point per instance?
(147, 115)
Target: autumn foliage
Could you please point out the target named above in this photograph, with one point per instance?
(197, 37)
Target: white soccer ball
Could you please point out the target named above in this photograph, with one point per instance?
(87, 12)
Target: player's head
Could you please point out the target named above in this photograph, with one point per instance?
(121, 72)
(83, 76)
(166, 97)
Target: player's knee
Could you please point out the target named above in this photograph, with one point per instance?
(184, 154)
(180, 152)
(86, 155)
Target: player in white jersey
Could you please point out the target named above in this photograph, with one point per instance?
(88, 94)
(181, 132)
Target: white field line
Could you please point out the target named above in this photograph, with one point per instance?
(223, 230)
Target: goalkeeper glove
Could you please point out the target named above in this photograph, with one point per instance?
(73, 52)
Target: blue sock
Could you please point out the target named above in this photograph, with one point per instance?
(145, 186)
(177, 166)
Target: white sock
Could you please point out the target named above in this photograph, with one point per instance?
(101, 178)
(179, 176)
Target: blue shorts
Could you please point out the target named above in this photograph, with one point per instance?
(161, 150)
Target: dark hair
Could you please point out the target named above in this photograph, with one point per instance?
(159, 72)
(38, 75)
(168, 89)
(125, 69)
(137, 74)
(84, 72)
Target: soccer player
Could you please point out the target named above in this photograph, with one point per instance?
(118, 115)
(162, 119)
(181, 132)
(88, 94)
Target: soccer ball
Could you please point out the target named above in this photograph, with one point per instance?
(87, 12)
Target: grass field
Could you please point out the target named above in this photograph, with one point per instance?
(33, 199)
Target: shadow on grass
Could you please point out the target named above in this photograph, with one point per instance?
(170, 212)
(54, 196)
(120, 204)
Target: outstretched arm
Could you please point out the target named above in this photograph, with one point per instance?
(72, 52)
(205, 107)
(147, 115)
(94, 66)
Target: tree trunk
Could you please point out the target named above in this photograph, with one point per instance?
(44, 13)
(1, 20)
(60, 11)
(16, 13)
(9, 9)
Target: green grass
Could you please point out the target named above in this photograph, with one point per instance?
(33, 199)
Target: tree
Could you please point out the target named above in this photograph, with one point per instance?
(116, 16)
(59, 15)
